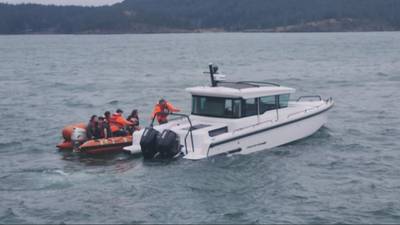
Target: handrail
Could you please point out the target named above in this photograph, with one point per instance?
(310, 108)
(303, 111)
(328, 99)
(251, 83)
(310, 96)
(259, 82)
(189, 130)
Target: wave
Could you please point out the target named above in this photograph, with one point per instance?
(8, 216)
(78, 104)
(381, 74)
(395, 78)
(10, 144)
(113, 102)
(389, 212)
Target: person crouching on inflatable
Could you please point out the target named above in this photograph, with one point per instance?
(118, 124)
(161, 111)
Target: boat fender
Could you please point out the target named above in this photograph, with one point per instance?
(148, 142)
(168, 144)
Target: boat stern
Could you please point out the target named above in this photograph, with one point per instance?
(135, 147)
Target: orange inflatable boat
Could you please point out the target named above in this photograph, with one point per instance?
(98, 146)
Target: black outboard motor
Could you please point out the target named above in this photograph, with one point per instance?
(148, 142)
(168, 144)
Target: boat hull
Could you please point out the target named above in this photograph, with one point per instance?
(266, 138)
(109, 145)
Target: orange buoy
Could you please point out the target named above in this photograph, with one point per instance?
(106, 145)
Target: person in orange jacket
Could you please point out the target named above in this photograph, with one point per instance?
(161, 111)
(118, 124)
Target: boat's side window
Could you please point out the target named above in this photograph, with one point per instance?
(210, 106)
(237, 103)
(284, 100)
(267, 103)
(250, 107)
(216, 107)
(228, 107)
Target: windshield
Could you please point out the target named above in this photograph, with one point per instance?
(216, 107)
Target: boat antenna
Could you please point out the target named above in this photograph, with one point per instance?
(213, 70)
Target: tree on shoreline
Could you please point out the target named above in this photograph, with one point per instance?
(148, 16)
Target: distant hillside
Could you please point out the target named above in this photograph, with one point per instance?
(150, 16)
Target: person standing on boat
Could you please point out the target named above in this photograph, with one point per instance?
(118, 124)
(92, 131)
(161, 111)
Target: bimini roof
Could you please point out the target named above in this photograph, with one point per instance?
(241, 90)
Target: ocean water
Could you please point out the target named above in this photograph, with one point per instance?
(348, 172)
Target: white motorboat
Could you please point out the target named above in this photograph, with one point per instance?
(233, 117)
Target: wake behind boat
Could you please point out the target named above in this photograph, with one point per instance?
(233, 117)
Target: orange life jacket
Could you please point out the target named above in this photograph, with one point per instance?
(161, 112)
(117, 122)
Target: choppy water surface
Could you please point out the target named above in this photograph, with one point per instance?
(348, 172)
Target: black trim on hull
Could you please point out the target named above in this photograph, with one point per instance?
(234, 151)
(266, 129)
(230, 152)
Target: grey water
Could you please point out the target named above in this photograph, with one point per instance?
(348, 172)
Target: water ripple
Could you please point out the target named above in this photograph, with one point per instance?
(347, 172)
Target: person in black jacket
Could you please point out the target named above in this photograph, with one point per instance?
(134, 118)
(92, 130)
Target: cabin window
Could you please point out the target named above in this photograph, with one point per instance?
(237, 108)
(284, 100)
(215, 107)
(250, 107)
(267, 103)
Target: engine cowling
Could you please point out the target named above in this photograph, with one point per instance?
(67, 131)
(168, 144)
(78, 137)
(148, 142)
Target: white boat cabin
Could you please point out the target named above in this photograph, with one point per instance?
(238, 100)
